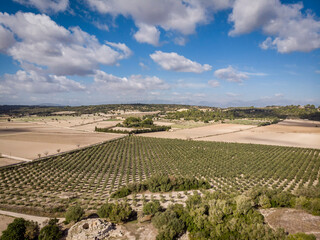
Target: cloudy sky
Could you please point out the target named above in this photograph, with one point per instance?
(201, 52)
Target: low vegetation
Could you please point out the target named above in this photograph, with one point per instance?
(138, 126)
(162, 183)
(116, 212)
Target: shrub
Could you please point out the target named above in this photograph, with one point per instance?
(151, 208)
(74, 213)
(21, 229)
(301, 236)
(116, 212)
(51, 231)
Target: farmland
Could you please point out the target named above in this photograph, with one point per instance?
(90, 175)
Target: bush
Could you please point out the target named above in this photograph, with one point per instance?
(116, 213)
(168, 224)
(151, 208)
(301, 236)
(74, 213)
(51, 231)
(21, 229)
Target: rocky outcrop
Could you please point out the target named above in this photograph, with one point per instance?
(90, 229)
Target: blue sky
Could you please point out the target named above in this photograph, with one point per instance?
(199, 52)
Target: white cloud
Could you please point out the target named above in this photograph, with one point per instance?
(134, 83)
(6, 39)
(182, 16)
(230, 74)
(231, 94)
(174, 62)
(317, 71)
(46, 5)
(58, 51)
(147, 34)
(278, 94)
(33, 82)
(288, 29)
(214, 83)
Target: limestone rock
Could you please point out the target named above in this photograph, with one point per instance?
(90, 229)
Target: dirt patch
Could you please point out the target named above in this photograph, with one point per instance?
(4, 222)
(7, 161)
(292, 220)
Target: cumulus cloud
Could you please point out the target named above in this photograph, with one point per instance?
(134, 83)
(214, 83)
(174, 62)
(147, 34)
(59, 51)
(231, 75)
(46, 6)
(182, 16)
(288, 29)
(231, 94)
(33, 82)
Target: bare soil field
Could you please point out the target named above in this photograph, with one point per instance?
(292, 220)
(294, 133)
(198, 132)
(27, 140)
(103, 124)
(4, 222)
(7, 161)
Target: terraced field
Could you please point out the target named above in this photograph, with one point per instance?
(91, 174)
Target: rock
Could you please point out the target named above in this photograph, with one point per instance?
(90, 229)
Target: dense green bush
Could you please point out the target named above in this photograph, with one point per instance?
(116, 213)
(151, 208)
(21, 229)
(51, 231)
(168, 224)
(301, 236)
(74, 214)
(162, 183)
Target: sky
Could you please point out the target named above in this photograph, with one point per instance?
(199, 52)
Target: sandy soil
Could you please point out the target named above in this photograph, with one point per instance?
(193, 133)
(27, 140)
(7, 161)
(295, 133)
(292, 220)
(4, 222)
(40, 220)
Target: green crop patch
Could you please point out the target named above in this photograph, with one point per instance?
(89, 176)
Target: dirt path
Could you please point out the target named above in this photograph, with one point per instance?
(39, 220)
(16, 158)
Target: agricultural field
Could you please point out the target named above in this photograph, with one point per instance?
(90, 175)
(28, 139)
(294, 133)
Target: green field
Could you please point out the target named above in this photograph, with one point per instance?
(93, 173)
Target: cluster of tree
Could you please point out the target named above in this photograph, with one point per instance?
(162, 183)
(292, 111)
(134, 131)
(220, 216)
(116, 212)
(21, 229)
(42, 110)
(307, 199)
